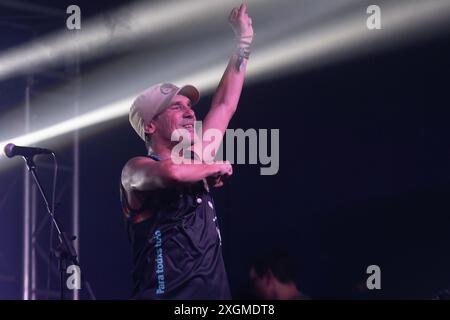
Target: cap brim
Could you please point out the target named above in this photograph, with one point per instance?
(191, 92)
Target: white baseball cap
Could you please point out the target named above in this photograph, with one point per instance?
(155, 100)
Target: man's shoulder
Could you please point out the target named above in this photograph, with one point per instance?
(137, 161)
(133, 165)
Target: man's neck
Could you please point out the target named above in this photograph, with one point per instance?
(162, 152)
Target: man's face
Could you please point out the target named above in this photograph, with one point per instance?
(179, 115)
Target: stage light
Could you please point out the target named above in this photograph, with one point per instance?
(111, 31)
(300, 49)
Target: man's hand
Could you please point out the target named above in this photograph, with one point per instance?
(217, 180)
(241, 22)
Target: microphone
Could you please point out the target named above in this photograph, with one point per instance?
(11, 150)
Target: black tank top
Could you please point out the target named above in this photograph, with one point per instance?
(176, 245)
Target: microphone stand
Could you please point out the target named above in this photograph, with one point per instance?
(65, 252)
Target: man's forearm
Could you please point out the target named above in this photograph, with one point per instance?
(229, 90)
(190, 173)
(230, 87)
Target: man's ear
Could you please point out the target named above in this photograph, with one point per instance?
(150, 128)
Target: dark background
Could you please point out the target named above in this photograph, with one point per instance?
(364, 179)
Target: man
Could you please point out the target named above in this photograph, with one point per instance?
(170, 214)
(273, 278)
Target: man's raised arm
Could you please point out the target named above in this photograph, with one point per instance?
(228, 92)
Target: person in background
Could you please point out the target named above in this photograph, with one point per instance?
(272, 277)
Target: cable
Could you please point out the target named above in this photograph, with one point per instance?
(55, 173)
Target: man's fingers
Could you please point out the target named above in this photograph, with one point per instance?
(234, 14)
(242, 9)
